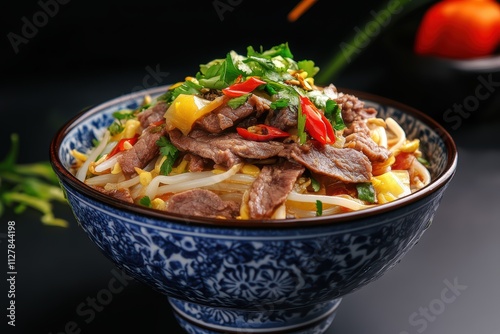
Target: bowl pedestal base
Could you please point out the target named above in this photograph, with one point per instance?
(200, 319)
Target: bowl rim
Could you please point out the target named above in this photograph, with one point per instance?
(338, 219)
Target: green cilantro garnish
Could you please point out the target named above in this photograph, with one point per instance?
(309, 67)
(366, 192)
(424, 162)
(238, 101)
(168, 150)
(218, 74)
(334, 115)
(280, 103)
(120, 117)
(319, 208)
(187, 87)
(278, 50)
(301, 126)
(315, 184)
(145, 201)
(124, 114)
(115, 128)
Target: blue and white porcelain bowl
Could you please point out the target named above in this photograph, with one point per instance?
(236, 276)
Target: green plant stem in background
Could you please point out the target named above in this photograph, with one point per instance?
(32, 186)
(364, 35)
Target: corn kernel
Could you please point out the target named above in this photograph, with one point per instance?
(158, 204)
(145, 177)
(92, 168)
(117, 169)
(146, 100)
(127, 145)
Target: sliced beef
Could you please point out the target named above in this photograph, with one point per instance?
(358, 126)
(364, 143)
(143, 151)
(197, 163)
(203, 203)
(122, 194)
(225, 117)
(259, 104)
(271, 188)
(344, 164)
(353, 108)
(152, 114)
(284, 119)
(248, 122)
(358, 138)
(224, 149)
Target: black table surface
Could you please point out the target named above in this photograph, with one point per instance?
(448, 283)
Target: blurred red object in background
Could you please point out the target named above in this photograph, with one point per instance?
(459, 29)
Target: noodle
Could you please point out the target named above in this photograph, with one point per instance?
(198, 183)
(101, 180)
(421, 171)
(334, 200)
(107, 164)
(82, 171)
(400, 133)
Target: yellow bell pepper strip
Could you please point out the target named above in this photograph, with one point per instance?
(186, 109)
(460, 29)
(262, 132)
(242, 88)
(391, 185)
(317, 125)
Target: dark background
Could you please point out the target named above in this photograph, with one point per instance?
(87, 52)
